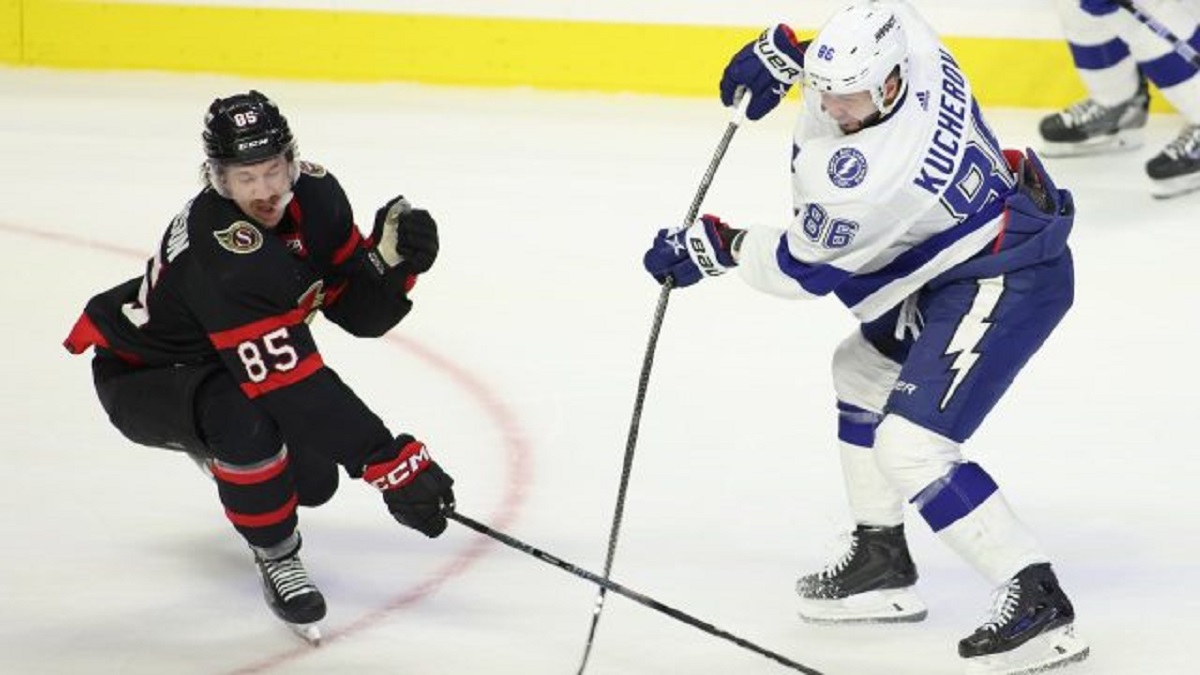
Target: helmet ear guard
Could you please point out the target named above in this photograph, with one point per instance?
(858, 50)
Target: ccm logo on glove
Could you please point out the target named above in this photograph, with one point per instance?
(412, 460)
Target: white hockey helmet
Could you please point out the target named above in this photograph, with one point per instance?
(855, 51)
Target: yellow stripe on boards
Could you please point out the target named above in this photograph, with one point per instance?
(10, 31)
(357, 46)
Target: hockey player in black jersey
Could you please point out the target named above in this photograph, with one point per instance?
(210, 352)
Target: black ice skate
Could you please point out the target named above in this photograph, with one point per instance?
(872, 582)
(1176, 169)
(1088, 127)
(1031, 628)
(291, 594)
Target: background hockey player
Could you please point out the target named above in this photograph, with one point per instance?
(952, 254)
(1115, 54)
(210, 351)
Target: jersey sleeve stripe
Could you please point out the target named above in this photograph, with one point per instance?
(278, 380)
(227, 339)
(815, 279)
(263, 519)
(334, 292)
(347, 249)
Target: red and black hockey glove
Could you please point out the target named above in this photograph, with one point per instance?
(406, 238)
(406, 244)
(416, 490)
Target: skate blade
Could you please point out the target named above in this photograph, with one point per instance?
(309, 632)
(1056, 649)
(897, 605)
(1122, 141)
(1174, 187)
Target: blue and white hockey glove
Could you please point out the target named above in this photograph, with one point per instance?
(688, 255)
(766, 67)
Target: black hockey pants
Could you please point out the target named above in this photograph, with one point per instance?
(200, 410)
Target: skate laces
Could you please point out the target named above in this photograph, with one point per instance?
(1004, 605)
(1187, 144)
(1087, 110)
(835, 568)
(288, 577)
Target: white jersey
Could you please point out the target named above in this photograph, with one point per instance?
(880, 212)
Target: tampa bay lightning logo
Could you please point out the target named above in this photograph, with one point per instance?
(847, 167)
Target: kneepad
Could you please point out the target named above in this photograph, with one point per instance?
(232, 427)
(316, 477)
(912, 457)
(862, 376)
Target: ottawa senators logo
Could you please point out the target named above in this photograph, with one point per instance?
(240, 237)
(311, 300)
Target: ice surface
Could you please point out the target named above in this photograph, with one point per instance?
(519, 367)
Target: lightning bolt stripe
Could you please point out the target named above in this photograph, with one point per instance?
(964, 344)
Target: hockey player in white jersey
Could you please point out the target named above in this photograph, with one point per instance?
(952, 254)
(1115, 55)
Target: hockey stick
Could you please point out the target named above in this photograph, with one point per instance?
(1181, 47)
(607, 584)
(644, 379)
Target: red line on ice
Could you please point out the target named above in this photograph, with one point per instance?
(516, 447)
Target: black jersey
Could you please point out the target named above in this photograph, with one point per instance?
(221, 288)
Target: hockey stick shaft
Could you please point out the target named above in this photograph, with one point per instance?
(1181, 47)
(613, 586)
(644, 379)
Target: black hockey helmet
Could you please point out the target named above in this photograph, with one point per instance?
(246, 128)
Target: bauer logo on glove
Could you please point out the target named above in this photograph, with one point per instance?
(706, 250)
(701, 252)
(765, 68)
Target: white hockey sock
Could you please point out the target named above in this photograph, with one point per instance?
(968, 513)
(873, 501)
(1174, 76)
(863, 378)
(1113, 84)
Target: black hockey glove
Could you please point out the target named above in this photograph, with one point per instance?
(406, 238)
(416, 490)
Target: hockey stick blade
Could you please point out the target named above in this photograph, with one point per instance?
(637, 597)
